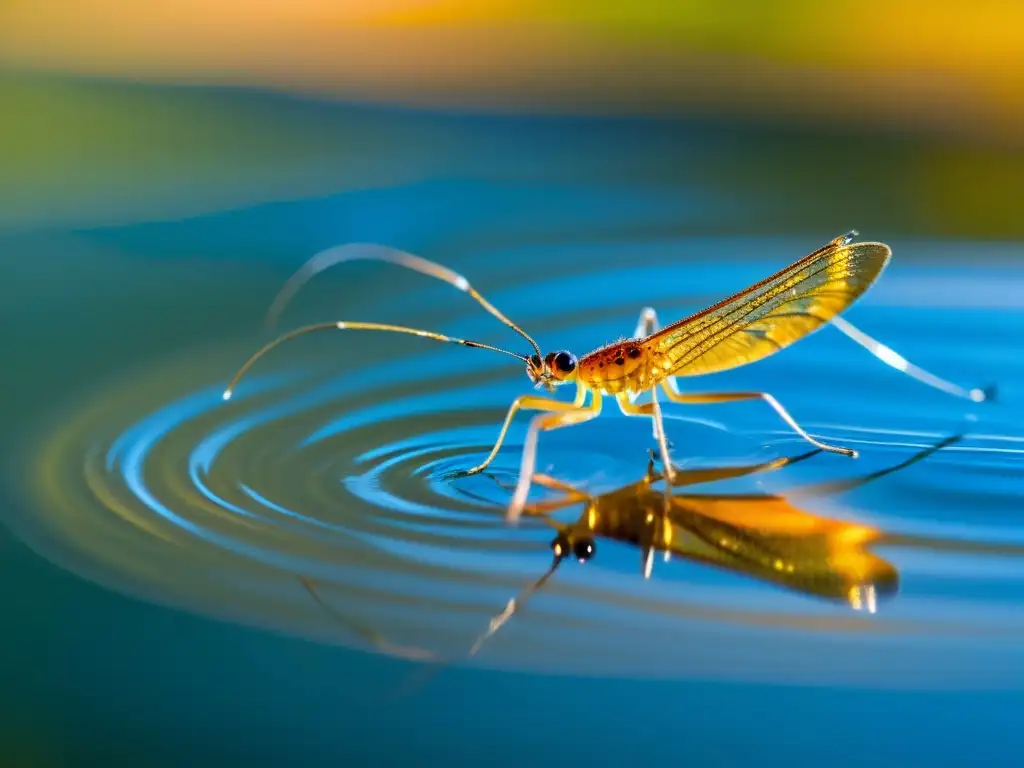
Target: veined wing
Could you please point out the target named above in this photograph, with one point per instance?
(772, 314)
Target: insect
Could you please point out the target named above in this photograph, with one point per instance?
(749, 326)
(762, 535)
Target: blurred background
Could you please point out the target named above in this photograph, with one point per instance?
(118, 111)
(164, 166)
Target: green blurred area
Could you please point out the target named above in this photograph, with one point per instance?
(80, 153)
(709, 26)
(88, 153)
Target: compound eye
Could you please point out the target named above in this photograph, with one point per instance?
(535, 360)
(565, 362)
(561, 546)
(584, 549)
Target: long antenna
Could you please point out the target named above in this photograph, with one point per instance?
(344, 325)
(372, 636)
(517, 602)
(374, 252)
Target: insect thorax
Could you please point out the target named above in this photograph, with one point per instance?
(626, 518)
(622, 367)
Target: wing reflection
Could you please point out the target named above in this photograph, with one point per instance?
(765, 536)
(762, 535)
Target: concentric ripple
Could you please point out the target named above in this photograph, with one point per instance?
(342, 474)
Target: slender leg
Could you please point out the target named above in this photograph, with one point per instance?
(892, 358)
(653, 521)
(647, 550)
(547, 481)
(545, 422)
(660, 521)
(571, 491)
(838, 486)
(685, 477)
(662, 437)
(531, 402)
(652, 409)
(572, 496)
(732, 397)
(647, 324)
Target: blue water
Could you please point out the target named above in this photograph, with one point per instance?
(154, 532)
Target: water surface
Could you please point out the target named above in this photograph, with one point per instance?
(157, 532)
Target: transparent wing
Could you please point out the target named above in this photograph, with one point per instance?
(772, 314)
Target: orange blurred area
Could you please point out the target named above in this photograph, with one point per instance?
(941, 66)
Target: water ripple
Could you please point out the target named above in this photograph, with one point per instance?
(155, 487)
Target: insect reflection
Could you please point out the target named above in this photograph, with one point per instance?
(764, 536)
(741, 329)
